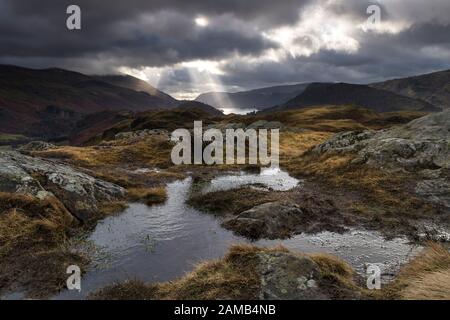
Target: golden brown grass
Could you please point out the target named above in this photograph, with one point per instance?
(332, 118)
(333, 266)
(111, 208)
(148, 152)
(231, 201)
(323, 165)
(233, 277)
(33, 237)
(426, 277)
(295, 144)
(336, 275)
(25, 220)
(236, 276)
(371, 190)
(150, 196)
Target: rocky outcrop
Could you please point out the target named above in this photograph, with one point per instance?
(422, 143)
(269, 220)
(80, 193)
(435, 190)
(285, 276)
(142, 134)
(36, 146)
(251, 273)
(300, 212)
(342, 142)
(421, 147)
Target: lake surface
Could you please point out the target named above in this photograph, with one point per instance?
(163, 242)
(237, 110)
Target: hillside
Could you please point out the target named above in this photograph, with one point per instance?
(433, 88)
(127, 81)
(319, 94)
(199, 105)
(48, 102)
(258, 98)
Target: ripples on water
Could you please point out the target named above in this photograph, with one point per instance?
(160, 243)
(272, 178)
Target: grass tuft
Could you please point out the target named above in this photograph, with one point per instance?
(427, 276)
(150, 196)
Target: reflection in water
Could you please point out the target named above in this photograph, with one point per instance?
(163, 242)
(237, 110)
(272, 178)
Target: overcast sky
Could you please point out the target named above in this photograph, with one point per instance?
(188, 47)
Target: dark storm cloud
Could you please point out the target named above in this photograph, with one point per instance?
(154, 33)
(275, 12)
(380, 56)
(138, 32)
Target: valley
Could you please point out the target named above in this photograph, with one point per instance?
(362, 181)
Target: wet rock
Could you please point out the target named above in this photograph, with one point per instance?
(269, 220)
(285, 276)
(320, 213)
(80, 193)
(429, 231)
(300, 212)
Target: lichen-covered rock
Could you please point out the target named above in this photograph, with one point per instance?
(435, 190)
(142, 133)
(422, 143)
(350, 141)
(421, 147)
(36, 146)
(80, 193)
(285, 276)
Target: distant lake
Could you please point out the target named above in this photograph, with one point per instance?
(237, 110)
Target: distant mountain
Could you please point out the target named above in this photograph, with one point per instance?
(257, 99)
(199, 105)
(433, 88)
(320, 94)
(48, 102)
(139, 85)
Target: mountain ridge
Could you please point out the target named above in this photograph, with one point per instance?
(320, 94)
(260, 98)
(136, 84)
(432, 87)
(34, 101)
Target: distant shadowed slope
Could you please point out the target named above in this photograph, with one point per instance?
(202, 106)
(48, 102)
(319, 94)
(139, 85)
(257, 99)
(433, 87)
